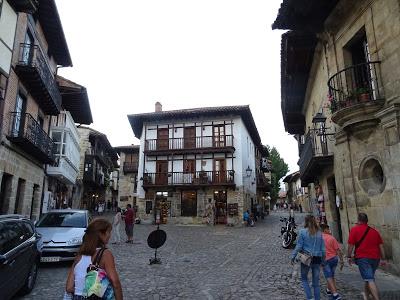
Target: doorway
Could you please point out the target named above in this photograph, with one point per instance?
(189, 204)
(162, 207)
(5, 192)
(219, 136)
(162, 139)
(220, 200)
(161, 172)
(336, 221)
(219, 171)
(189, 137)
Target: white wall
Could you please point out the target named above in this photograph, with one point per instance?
(8, 23)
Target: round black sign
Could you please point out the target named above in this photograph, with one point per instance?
(156, 238)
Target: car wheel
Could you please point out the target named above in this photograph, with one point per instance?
(30, 279)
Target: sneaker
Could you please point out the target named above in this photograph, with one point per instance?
(336, 297)
(328, 292)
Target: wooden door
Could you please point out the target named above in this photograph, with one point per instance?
(189, 137)
(161, 172)
(219, 136)
(219, 170)
(189, 170)
(220, 200)
(162, 139)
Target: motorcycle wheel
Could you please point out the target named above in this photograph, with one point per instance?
(287, 240)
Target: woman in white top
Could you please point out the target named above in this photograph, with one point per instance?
(96, 236)
(117, 227)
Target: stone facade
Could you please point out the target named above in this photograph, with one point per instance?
(364, 134)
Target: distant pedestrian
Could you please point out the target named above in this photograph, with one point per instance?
(129, 218)
(108, 205)
(368, 251)
(94, 248)
(300, 208)
(333, 255)
(116, 205)
(310, 241)
(246, 217)
(116, 235)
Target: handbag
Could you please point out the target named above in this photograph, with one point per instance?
(305, 257)
(97, 284)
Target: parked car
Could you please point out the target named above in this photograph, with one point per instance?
(20, 250)
(62, 232)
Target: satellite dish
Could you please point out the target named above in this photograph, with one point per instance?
(155, 240)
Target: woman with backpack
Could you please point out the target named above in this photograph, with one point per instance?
(310, 248)
(94, 270)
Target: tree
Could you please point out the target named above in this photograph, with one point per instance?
(279, 169)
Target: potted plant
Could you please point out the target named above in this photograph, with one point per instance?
(363, 94)
(349, 99)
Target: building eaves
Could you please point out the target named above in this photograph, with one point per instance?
(137, 120)
(303, 15)
(75, 99)
(127, 149)
(50, 21)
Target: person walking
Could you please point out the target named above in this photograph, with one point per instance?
(333, 255)
(117, 227)
(300, 208)
(310, 241)
(368, 249)
(129, 218)
(95, 240)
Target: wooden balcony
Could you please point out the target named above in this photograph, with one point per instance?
(33, 70)
(27, 133)
(193, 180)
(356, 94)
(201, 144)
(263, 183)
(130, 167)
(314, 157)
(26, 6)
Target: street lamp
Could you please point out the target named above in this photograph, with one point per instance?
(248, 171)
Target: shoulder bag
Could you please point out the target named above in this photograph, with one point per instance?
(97, 284)
(305, 257)
(358, 244)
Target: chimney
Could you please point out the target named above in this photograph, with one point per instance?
(158, 107)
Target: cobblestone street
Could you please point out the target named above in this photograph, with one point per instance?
(200, 262)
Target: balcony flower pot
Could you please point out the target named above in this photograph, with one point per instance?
(363, 95)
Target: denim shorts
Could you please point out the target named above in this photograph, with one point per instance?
(329, 267)
(367, 267)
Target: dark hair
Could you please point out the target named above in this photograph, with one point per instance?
(91, 240)
(130, 206)
(324, 227)
(118, 209)
(363, 218)
(311, 224)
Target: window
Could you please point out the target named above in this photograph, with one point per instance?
(68, 219)
(11, 236)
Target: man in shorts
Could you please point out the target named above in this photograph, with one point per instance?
(129, 218)
(332, 257)
(368, 251)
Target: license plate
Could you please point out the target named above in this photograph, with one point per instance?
(49, 259)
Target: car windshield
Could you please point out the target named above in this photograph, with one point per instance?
(63, 219)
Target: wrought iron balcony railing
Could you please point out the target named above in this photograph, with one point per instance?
(199, 178)
(36, 74)
(26, 132)
(354, 85)
(192, 143)
(130, 167)
(315, 154)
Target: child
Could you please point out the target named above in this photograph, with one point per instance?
(333, 254)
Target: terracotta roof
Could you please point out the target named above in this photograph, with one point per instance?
(304, 15)
(75, 99)
(51, 24)
(137, 120)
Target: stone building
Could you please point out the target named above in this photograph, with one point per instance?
(98, 160)
(297, 194)
(191, 157)
(341, 99)
(32, 47)
(128, 174)
(263, 175)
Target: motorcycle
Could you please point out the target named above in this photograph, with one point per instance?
(288, 232)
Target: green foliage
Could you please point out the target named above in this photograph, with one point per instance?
(279, 170)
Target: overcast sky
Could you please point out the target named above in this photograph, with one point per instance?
(184, 53)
